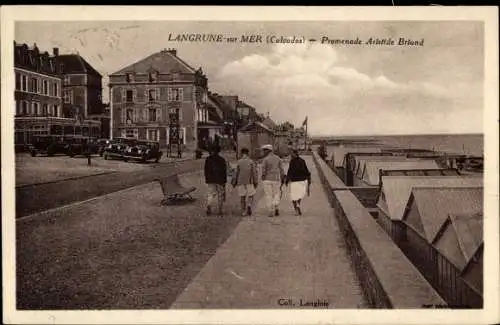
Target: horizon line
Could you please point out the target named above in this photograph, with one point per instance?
(395, 134)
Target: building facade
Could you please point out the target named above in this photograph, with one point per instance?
(82, 86)
(39, 108)
(159, 98)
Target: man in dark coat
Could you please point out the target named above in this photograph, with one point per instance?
(216, 179)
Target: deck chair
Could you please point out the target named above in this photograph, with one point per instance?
(173, 192)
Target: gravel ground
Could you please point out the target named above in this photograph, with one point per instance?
(121, 250)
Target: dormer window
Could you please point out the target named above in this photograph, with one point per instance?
(153, 76)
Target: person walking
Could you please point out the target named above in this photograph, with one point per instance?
(245, 180)
(216, 179)
(272, 179)
(299, 178)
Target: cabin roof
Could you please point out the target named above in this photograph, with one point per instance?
(397, 189)
(370, 173)
(338, 153)
(468, 230)
(435, 204)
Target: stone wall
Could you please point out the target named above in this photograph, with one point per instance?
(388, 278)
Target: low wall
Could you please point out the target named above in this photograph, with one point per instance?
(388, 278)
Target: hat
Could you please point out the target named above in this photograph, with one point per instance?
(267, 147)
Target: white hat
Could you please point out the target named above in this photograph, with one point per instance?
(267, 147)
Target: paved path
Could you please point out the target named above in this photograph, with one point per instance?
(279, 262)
(118, 251)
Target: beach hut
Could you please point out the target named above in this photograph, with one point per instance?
(396, 190)
(351, 161)
(460, 242)
(370, 175)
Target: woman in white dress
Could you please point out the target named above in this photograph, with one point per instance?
(299, 178)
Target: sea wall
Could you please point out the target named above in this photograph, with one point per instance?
(388, 278)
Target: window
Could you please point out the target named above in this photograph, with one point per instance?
(24, 83)
(45, 110)
(152, 95)
(131, 133)
(18, 81)
(68, 96)
(175, 94)
(130, 114)
(34, 85)
(45, 87)
(129, 77)
(152, 115)
(153, 76)
(129, 96)
(24, 107)
(35, 110)
(153, 135)
(56, 110)
(55, 90)
(66, 80)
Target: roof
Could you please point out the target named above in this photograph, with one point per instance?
(435, 204)
(355, 157)
(33, 60)
(255, 126)
(338, 153)
(397, 189)
(371, 169)
(468, 230)
(163, 62)
(269, 123)
(75, 63)
(362, 160)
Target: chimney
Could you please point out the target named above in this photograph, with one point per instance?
(55, 51)
(172, 51)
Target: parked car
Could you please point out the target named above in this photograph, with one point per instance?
(47, 144)
(114, 150)
(101, 145)
(143, 151)
(80, 145)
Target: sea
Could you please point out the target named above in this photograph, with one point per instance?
(468, 144)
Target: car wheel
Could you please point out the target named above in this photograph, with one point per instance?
(157, 160)
(33, 153)
(105, 156)
(125, 159)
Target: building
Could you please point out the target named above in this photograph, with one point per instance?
(38, 97)
(160, 98)
(253, 136)
(82, 86)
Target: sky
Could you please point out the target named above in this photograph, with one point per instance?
(342, 89)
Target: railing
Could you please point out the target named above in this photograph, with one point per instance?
(440, 272)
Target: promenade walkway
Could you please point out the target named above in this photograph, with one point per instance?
(281, 262)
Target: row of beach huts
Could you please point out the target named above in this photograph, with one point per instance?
(430, 205)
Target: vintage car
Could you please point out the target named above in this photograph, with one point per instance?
(101, 144)
(114, 150)
(80, 146)
(47, 144)
(143, 151)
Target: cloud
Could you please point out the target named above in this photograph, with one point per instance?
(293, 81)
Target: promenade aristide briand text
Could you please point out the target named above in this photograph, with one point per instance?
(277, 39)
